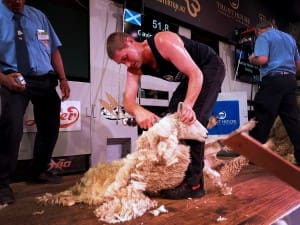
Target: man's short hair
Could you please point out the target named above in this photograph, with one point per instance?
(264, 24)
(116, 41)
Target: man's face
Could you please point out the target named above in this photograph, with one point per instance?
(15, 5)
(129, 56)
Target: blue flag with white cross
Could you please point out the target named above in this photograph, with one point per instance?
(132, 17)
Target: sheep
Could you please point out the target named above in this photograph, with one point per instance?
(217, 172)
(118, 189)
(280, 142)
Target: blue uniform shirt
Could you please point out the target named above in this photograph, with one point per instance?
(40, 37)
(280, 48)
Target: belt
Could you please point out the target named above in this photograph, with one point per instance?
(41, 76)
(277, 74)
(272, 74)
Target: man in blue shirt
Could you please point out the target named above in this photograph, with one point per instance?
(44, 69)
(277, 55)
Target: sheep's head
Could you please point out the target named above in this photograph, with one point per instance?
(195, 131)
(171, 124)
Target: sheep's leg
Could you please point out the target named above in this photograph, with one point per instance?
(216, 180)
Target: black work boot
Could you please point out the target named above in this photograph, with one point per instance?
(183, 191)
(6, 194)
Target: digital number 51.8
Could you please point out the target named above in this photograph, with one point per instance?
(157, 25)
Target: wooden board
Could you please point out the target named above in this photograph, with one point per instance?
(262, 156)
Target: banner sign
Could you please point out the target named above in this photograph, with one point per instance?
(227, 113)
(142, 27)
(220, 17)
(70, 117)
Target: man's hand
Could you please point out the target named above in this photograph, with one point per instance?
(186, 113)
(258, 60)
(10, 81)
(251, 58)
(145, 119)
(65, 89)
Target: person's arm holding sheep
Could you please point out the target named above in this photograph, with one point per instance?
(123, 49)
(171, 47)
(144, 118)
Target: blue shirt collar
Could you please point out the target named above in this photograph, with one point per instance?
(6, 12)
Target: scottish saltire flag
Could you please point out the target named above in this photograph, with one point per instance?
(132, 17)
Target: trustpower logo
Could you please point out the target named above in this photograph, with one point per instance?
(227, 113)
(221, 115)
(234, 3)
(193, 7)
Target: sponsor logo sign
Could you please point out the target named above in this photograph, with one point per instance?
(227, 113)
(208, 15)
(59, 164)
(70, 117)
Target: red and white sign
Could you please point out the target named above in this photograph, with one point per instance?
(70, 117)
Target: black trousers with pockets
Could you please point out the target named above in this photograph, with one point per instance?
(277, 97)
(46, 108)
(213, 76)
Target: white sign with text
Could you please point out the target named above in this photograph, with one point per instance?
(70, 117)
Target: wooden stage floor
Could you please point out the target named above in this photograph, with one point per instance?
(258, 198)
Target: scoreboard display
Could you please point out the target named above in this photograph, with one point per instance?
(149, 24)
(153, 24)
